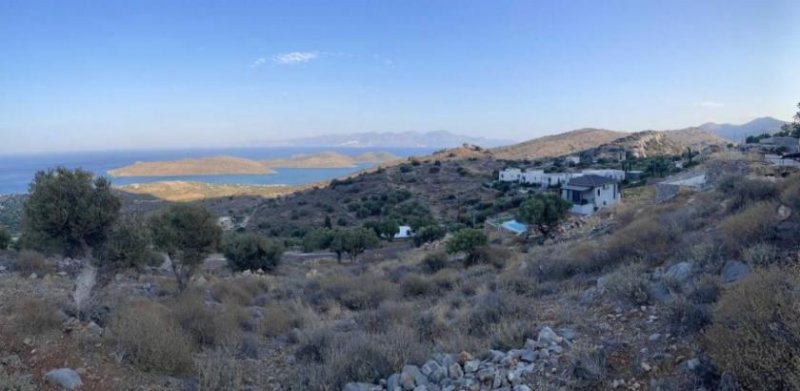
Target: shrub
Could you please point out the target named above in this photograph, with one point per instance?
(760, 254)
(490, 255)
(744, 191)
(749, 226)
(252, 252)
(206, 324)
(15, 381)
(33, 262)
(36, 316)
(429, 233)
(356, 293)
(219, 370)
(5, 238)
(277, 320)
(467, 240)
(687, 317)
(434, 262)
(127, 247)
(416, 285)
(629, 283)
(545, 210)
(147, 336)
(643, 238)
(755, 331)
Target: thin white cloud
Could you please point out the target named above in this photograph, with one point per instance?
(711, 104)
(257, 63)
(295, 57)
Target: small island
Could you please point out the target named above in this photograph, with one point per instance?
(218, 165)
(230, 165)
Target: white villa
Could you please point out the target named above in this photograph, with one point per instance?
(539, 177)
(588, 193)
(510, 175)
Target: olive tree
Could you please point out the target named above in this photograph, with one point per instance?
(544, 210)
(249, 251)
(127, 247)
(188, 234)
(68, 211)
(468, 241)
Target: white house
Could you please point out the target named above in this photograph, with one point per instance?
(558, 178)
(617, 175)
(588, 193)
(573, 159)
(533, 177)
(404, 233)
(510, 175)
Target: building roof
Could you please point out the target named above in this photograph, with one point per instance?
(590, 180)
(779, 140)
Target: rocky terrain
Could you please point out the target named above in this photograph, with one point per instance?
(558, 145)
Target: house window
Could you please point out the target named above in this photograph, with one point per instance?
(598, 192)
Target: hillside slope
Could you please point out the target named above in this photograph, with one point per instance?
(735, 132)
(558, 145)
(670, 142)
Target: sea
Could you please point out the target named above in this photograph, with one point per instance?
(17, 171)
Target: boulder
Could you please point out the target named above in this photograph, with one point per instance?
(455, 371)
(411, 377)
(471, 366)
(734, 271)
(360, 387)
(548, 337)
(658, 292)
(65, 378)
(680, 272)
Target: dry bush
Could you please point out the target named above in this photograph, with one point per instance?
(15, 381)
(387, 315)
(445, 280)
(629, 283)
(146, 335)
(33, 262)
(219, 370)
(239, 290)
(280, 318)
(790, 195)
(742, 191)
(339, 358)
(208, 325)
(751, 225)
(518, 282)
(36, 316)
(414, 285)
(760, 254)
(491, 255)
(434, 262)
(645, 238)
(688, 317)
(357, 293)
(755, 331)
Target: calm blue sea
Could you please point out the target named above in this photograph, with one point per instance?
(16, 171)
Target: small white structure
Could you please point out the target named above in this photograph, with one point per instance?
(532, 177)
(573, 159)
(510, 175)
(589, 193)
(617, 175)
(404, 233)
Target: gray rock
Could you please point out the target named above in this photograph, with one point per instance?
(393, 382)
(434, 371)
(471, 366)
(65, 378)
(602, 281)
(497, 355)
(658, 292)
(522, 387)
(654, 337)
(454, 371)
(94, 330)
(411, 377)
(529, 355)
(734, 271)
(359, 387)
(693, 364)
(568, 334)
(680, 272)
(548, 336)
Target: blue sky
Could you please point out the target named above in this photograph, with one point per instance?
(142, 74)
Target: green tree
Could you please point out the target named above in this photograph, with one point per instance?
(188, 234)
(5, 238)
(68, 211)
(126, 247)
(386, 229)
(544, 210)
(357, 240)
(251, 251)
(427, 234)
(468, 241)
(317, 239)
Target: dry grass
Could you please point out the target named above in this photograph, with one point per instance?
(36, 316)
(33, 262)
(151, 340)
(208, 324)
(756, 331)
(752, 225)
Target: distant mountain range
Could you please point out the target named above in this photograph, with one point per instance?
(434, 139)
(739, 132)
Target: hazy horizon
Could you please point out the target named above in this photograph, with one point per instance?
(114, 76)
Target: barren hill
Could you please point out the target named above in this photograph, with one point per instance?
(558, 145)
(328, 159)
(669, 142)
(218, 165)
